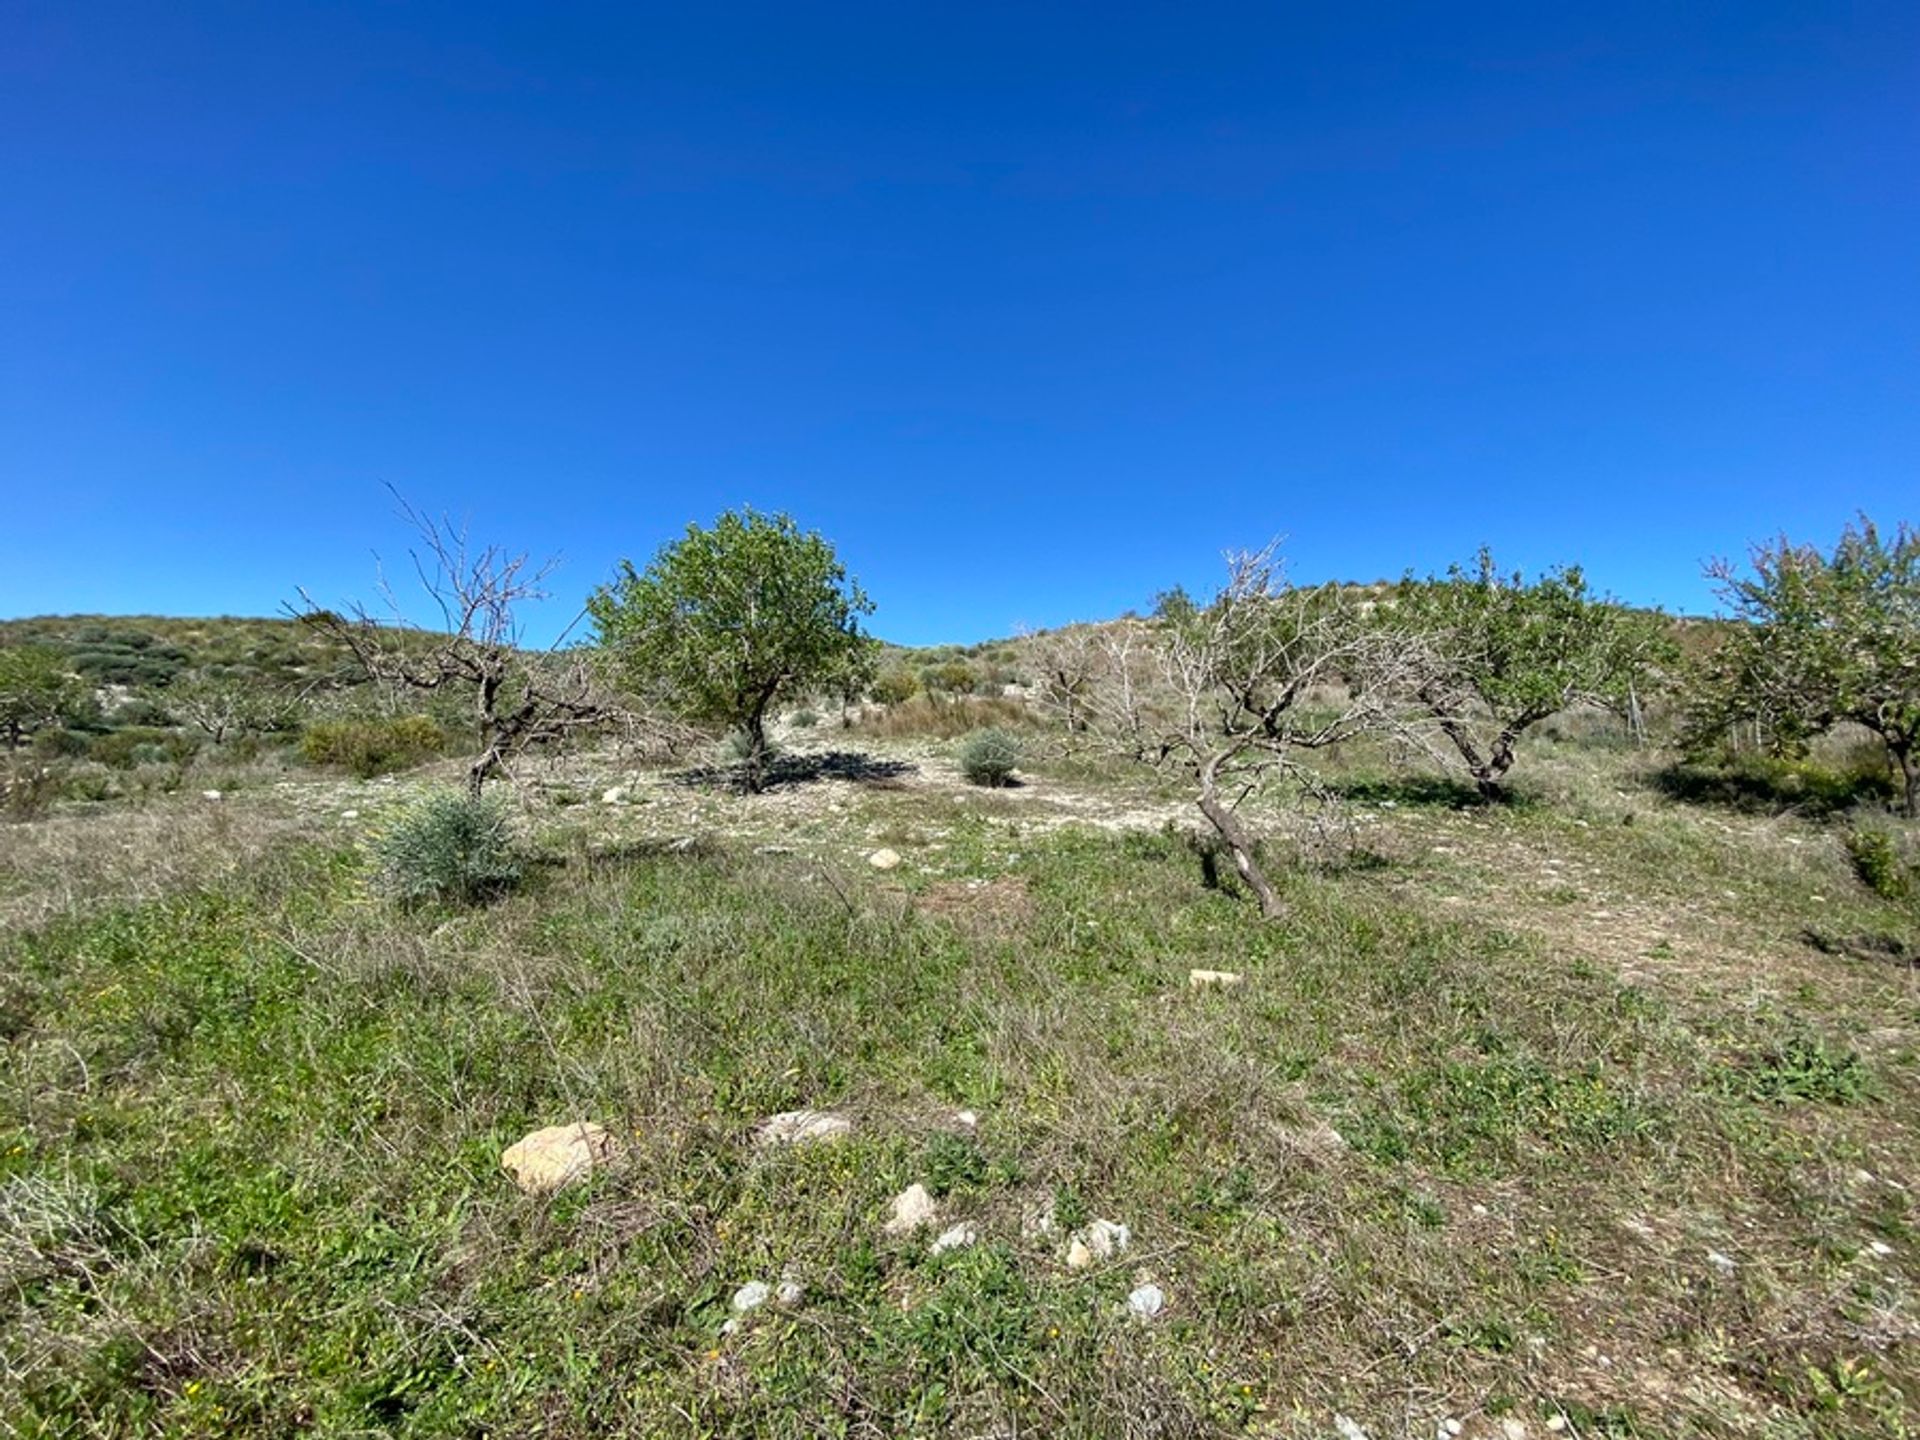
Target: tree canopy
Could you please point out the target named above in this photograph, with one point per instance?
(1502, 653)
(727, 622)
(1828, 638)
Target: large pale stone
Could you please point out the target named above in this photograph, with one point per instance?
(884, 859)
(804, 1127)
(550, 1159)
(1215, 979)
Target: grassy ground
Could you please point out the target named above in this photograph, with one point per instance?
(1592, 1114)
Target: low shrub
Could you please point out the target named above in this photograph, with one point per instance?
(1876, 860)
(450, 847)
(989, 757)
(139, 745)
(368, 747)
(804, 719)
(892, 687)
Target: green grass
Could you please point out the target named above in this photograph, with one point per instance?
(1428, 1161)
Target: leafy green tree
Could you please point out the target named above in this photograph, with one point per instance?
(37, 688)
(1499, 654)
(1826, 639)
(726, 623)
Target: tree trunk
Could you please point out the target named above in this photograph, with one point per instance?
(1239, 844)
(756, 771)
(1909, 764)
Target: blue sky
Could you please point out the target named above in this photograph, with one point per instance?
(1032, 308)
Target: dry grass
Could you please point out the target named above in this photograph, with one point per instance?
(1548, 1113)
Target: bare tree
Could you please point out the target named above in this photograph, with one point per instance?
(1069, 662)
(221, 706)
(1244, 685)
(519, 697)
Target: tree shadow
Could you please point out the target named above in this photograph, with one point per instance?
(1432, 792)
(1866, 946)
(1772, 787)
(855, 766)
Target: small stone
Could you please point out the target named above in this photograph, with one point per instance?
(1214, 979)
(1146, 1302)
(751, 1296)
(912, 1208)
(1480, 1210)
(614, 795)
(790, 1293)
(957, 1237)
(1099, 1240)
(349, 814)
(967, 1118)
(884, 859)
(1557, 1423)
(804, 1127)
(209, 794)
(1723, 1263)
(1452, 1426)
(1349, 1428)
(550, 1159)
(1512, 1429)
(1037, 1222)
(1881, 1248)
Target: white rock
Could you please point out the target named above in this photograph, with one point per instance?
(751, 1296)
(1215, 979)
(1146, 1302)
(912, 1208)
(553, 1158)
(791, 1292)
(1349, 1428)
(804, 1127)
(967, 1118)
(1452, 1426)
(1512, 1429)
(1557, 1423)
(613, 795)
(349, 814)
(1723, 1263)
(884, 859)
(209, 794)
(956, 1237)
(1880, 1247)
(1099, 1240)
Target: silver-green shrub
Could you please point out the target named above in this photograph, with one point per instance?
(451, 846)
(989, 757)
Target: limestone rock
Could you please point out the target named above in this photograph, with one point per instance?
(550, 1159)
(751, 1296)
(614, 795)
(1098, 1240)
(884, 859)
(957, 1237)
(804, 1127)
(1215, 979)
(1146, 1302)
(790, 1293)
(912, 1208)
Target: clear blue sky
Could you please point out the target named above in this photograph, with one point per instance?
(1032, 308)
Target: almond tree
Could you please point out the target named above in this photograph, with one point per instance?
(726, 623)
(1240, 689)
(518, 697)
(1825, 639)
(37, 688)
(1497, 654)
